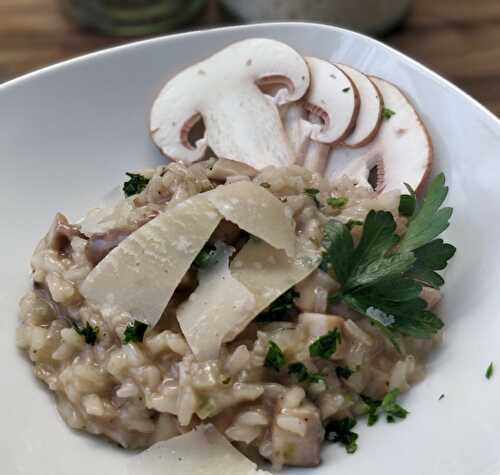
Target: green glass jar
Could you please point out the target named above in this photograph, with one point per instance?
(132, 17)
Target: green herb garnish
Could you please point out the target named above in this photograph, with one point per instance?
(387, 113)
(265, 185)
(339, 202)
(408, 203)
(275, 359)
(340, 431)
(382, 277)
(346, 89)
(343, 372)
(326, 345)
(135, 331)
(88, 332)
(207, 257)
(312, 193)
(303, 375)
(489, 371)
(388, 405)
(281, 309)
(135, 184)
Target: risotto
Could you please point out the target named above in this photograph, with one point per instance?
(306, 364)
(267, 297)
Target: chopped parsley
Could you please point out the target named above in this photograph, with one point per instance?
(303, 375)
(408, 203)
(135, 184)
(135, 331)
(346, 89)
(275, 359)
(281, 309)
(340, 431)
(265, 185)
(88, 332)
(489, 371)
(387, 406)
(339, 202)
(326, 345)
(207, 257)
(387, 113)
(382, 276)
(343, 372)
(312, 193)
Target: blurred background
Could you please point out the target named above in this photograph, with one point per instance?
(460, 39)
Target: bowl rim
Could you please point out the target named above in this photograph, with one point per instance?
(19, 81)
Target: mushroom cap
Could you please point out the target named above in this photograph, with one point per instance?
(241, 122)
(370, 109)
(401, 151)
(334, 98)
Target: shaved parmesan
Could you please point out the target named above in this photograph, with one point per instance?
(140, 275)
(219, 305)
(200, 452)
(256, 211)
(268, 272)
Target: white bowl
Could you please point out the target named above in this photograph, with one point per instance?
(69, 132)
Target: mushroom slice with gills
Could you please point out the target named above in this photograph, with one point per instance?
(401, 153)
(241, 122)
(332, 103)
(368, 121)
(371, 106)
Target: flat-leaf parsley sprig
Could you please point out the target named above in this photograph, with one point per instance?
(382, 276)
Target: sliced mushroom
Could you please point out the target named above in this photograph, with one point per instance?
(401, 152)
(370, 110)
(242, 123)
(100, 245)
(61, 232)
(224, 168)
(332, 103)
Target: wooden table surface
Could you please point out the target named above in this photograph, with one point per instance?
(460, 39)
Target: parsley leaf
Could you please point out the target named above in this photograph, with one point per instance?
(408, 203)
(275, 359)
(340, 431)
(391, 408)
(281, 308)
(489, 371)
(429, 221)
(326, 345)
(339, 202)
(388, 405)
(88, 332)
(135, 331)
(339, 247)
(382, 276)
(387, 113)
(300, 371)
(312, 193)
(342, 372)
(431, 257)
(135, 184)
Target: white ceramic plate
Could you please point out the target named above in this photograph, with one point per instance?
(69, 132)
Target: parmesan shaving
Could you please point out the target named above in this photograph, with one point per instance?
(219, 305)
(268, 272)
(256, 211)
(140, 275)
(202, 451)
